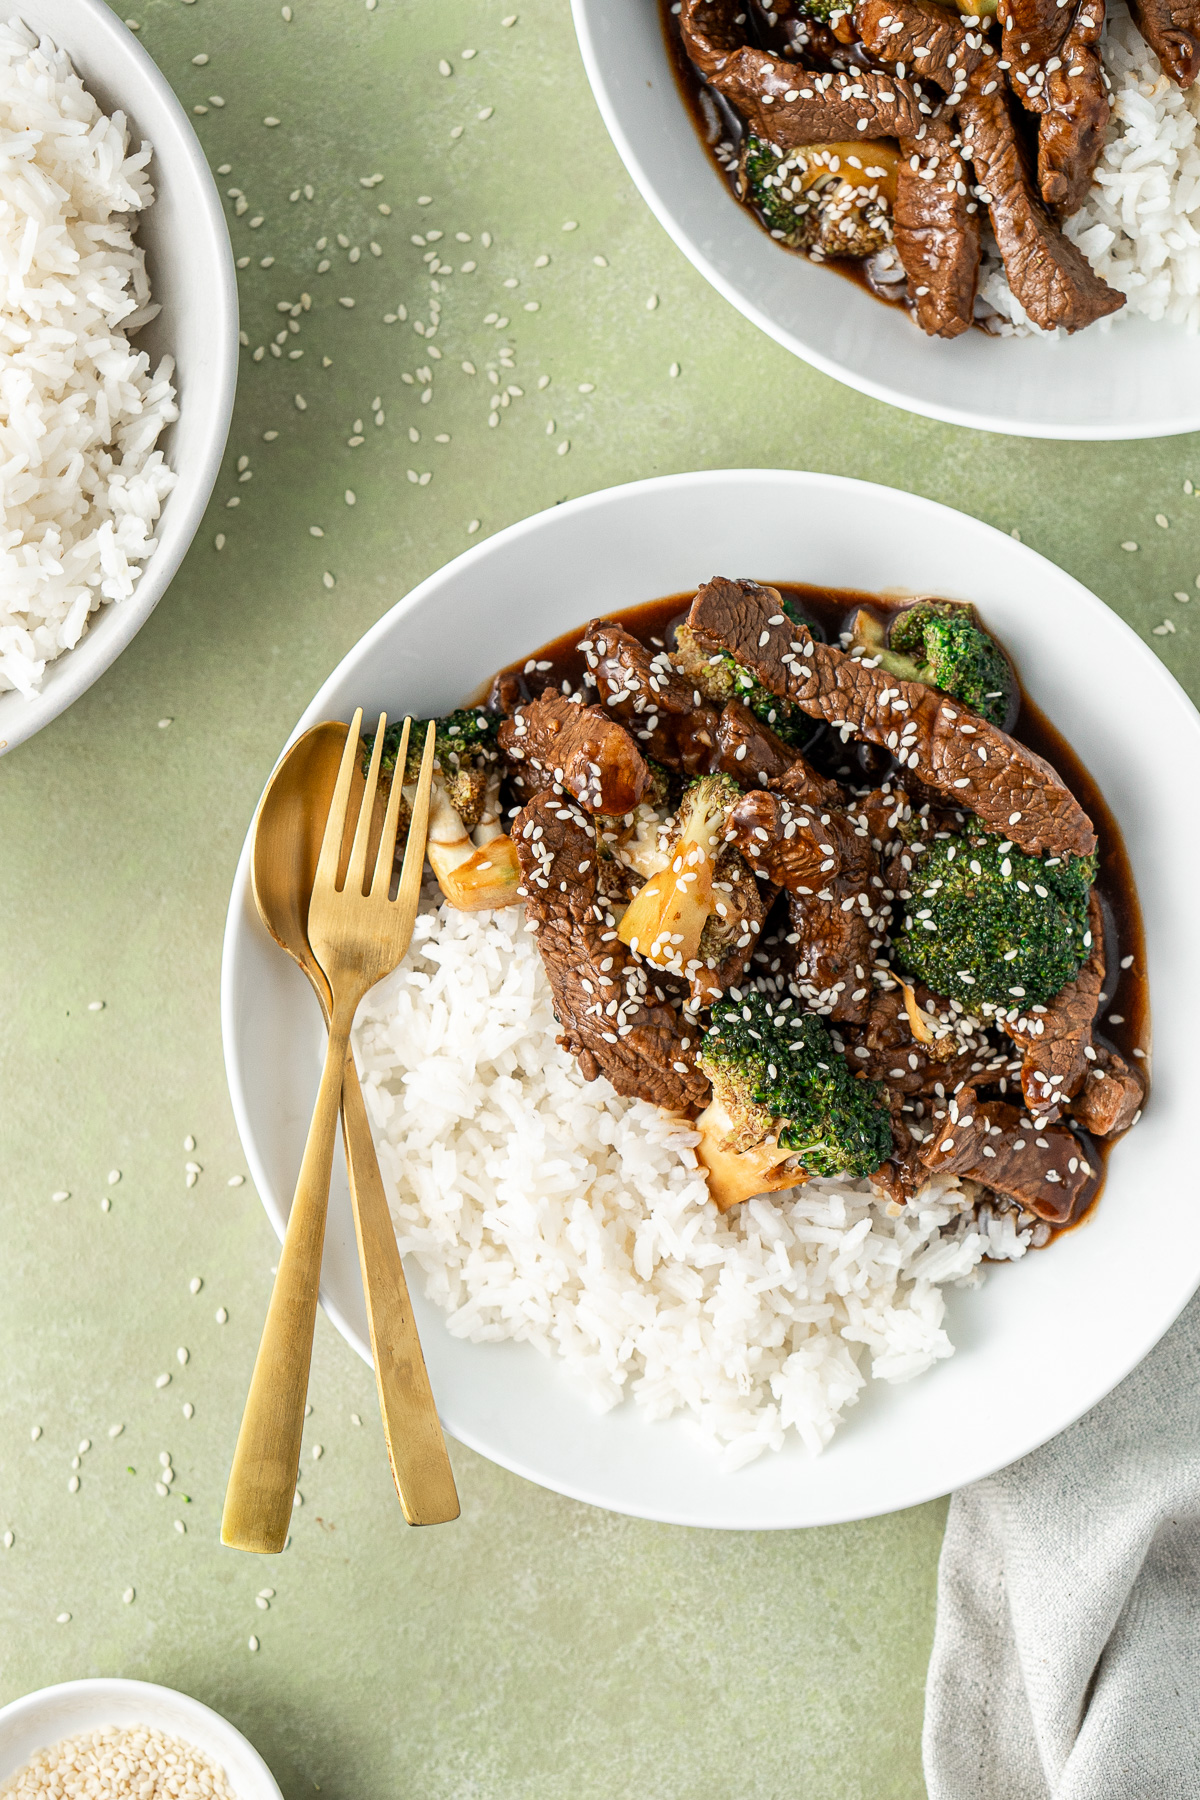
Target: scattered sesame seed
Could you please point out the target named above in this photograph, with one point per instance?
(351, 497)
(473, 527)
(601, 262)
(188, 1409)
(269, 120)
(1129, 545)
(564, 447)
(162, 1381)
(189, 1142)
(354, 1419)
(8, 1540)
(35, 1432)
(571, 225)
(114, 1431)
(221, 1316)
(301, 403)
(61, 1194)
(315, 531)
(181, 1355)
(318, 1451)
(114, 1175)
(328, 581)
(63, 1618)
(444, 68)
(1162, 519)
(95, 1006)
(485, 113)
(181, 1528)
(130, 1594)
(252, 1643)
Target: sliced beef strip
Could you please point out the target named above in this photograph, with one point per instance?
(784, 844)
(994, 1143)
(826, 108)
(755, 756)
(937, 231)
(827, 866)
(923, 38)
(1110, 1098)
(1031, 33)
(1049, 274)
(581, 748)
(950, 749)
(662, 710)
(886, 1050)
(643, 1045)
(1172, 30)
(1057, 1039)
(1075, 112)
(903, 1174)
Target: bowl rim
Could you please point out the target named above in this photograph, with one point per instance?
(972, 419)
(241, 917)
(71, 674)
(55, 1702)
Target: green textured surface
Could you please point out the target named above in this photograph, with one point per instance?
(538, 1648)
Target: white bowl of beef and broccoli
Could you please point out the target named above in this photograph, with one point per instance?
(985, 213)
(773, 1053)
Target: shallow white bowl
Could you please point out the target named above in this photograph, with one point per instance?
(190, 264)
(1042, 1340)
(41, 1719)
(1139, 380)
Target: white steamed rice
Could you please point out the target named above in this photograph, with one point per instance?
(81, 483)
(548, 1209)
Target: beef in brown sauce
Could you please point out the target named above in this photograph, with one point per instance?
(1049, 274)
(618, 1017)
(810, 864)
(580, 748)
(937, 232)
(949, 749)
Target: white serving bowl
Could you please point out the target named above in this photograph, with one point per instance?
(1137, 380)
(41, 1719)
(1042, 1340)
(190, 264)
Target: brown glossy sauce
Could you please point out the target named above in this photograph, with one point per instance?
(691, 84)
(1125, 990)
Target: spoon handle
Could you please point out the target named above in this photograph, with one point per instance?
(262, 1481)
(416, 1448)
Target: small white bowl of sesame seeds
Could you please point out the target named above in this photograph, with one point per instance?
(123, 1733)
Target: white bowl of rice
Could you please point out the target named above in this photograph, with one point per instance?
(118, 348)
(1135, 375)
(589, 1319)
(111, 1739)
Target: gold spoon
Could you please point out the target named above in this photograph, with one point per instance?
(287, 845)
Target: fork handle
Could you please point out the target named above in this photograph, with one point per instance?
(416, 1448)
(262, 1481)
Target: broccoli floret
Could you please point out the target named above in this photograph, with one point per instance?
(942, 643)
(992, 927)
(464, 737)
(809, 206)
(775, 1072)
(465, 747)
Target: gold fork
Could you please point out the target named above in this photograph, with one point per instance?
(358, 935)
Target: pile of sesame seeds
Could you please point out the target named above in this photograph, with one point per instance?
(133, 1762)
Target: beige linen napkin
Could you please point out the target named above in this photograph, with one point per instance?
(1066, 1659)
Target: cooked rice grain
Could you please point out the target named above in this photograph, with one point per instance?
(81, 483)
(548, 1209)
(1140, 224)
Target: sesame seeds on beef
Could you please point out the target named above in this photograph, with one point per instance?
(944, 745)
(789, 105)
(620, 1018)
(581, 748)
